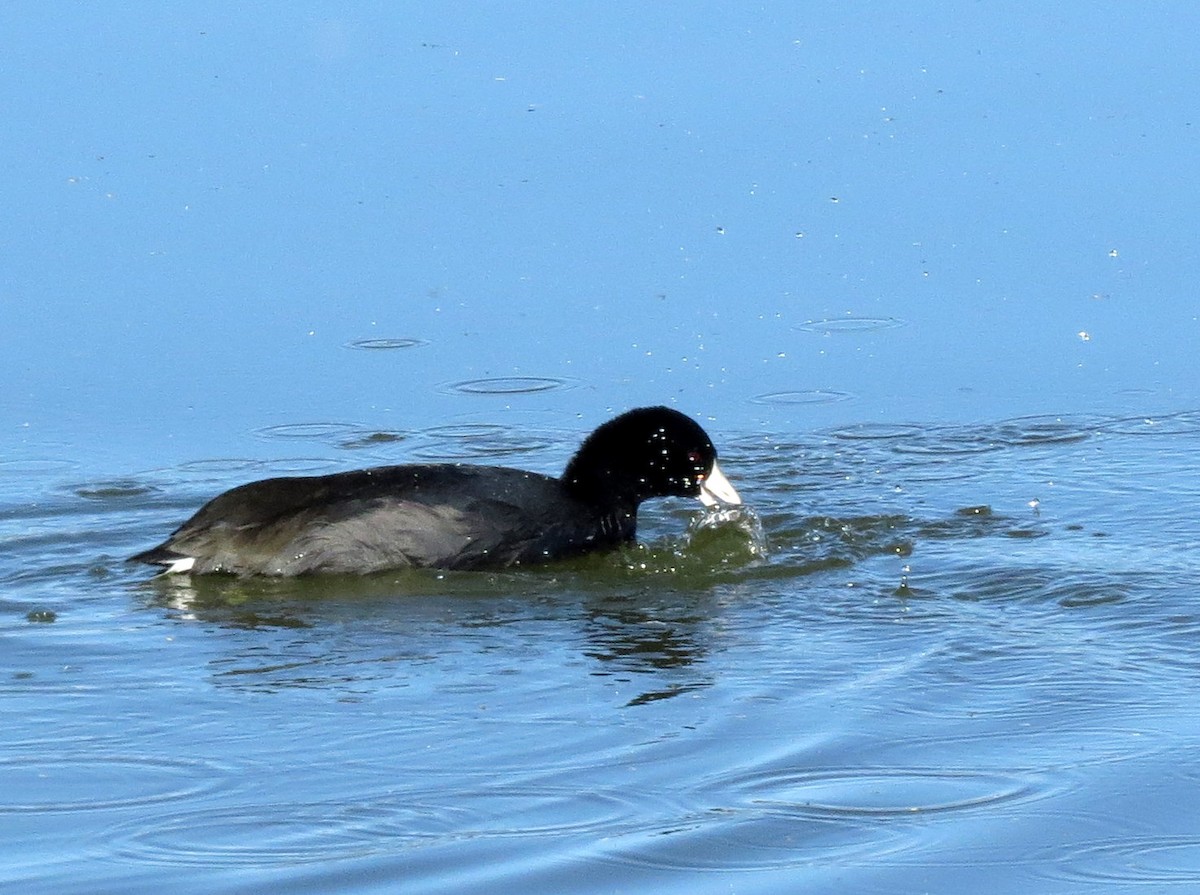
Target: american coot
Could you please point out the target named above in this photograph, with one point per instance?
(451, 516)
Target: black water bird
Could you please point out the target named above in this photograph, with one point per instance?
(450, 515)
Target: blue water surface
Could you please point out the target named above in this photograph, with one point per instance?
(923, 272)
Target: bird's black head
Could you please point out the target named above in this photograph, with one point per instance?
(644, 453)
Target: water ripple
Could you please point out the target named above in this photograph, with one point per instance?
(729, 839)
(1185, 423)
(875, 431)
(385, 344)
(302, 465)
(850, 324)
(881, 792)
(287, 833)
(505, 386)
(474, 441)
(310, 431)
(61, 783)
(37, 466)
(1048, 429)
(114, 489)
(803, 396)
(273, 835)
(949, 441)
(372, 439)
(770, 820)
(1150, 860)
(224, 469)
(222, 465)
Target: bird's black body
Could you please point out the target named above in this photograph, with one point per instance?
(449, 516)
(445, 516)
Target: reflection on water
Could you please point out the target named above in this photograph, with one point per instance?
(637, 632)
(664, 642)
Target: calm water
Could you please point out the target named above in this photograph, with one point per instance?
(926, 275)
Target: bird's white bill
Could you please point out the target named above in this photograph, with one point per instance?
(715, 489)
(178, 566)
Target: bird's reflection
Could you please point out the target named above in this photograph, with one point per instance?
(667, 643)
(653, 640)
